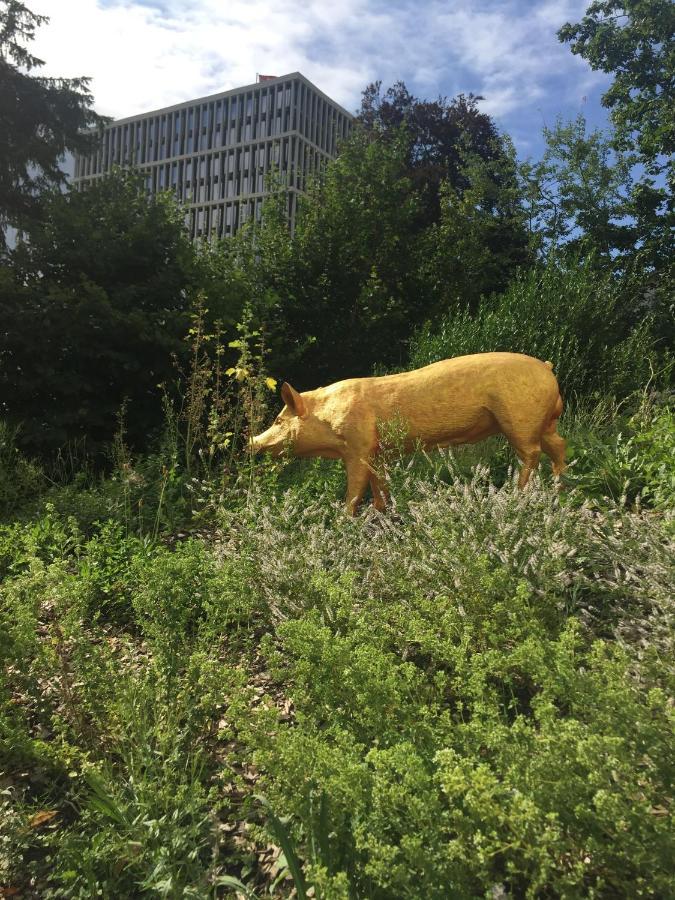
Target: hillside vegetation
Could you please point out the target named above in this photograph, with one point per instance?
(470, 693)
(213, 683)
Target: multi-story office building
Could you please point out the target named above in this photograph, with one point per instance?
(215, 153)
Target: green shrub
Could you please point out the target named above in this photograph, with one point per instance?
(571, 315)
(455, 718)
(522, 765)
(21, 480)
(144, 823)
(103, 730)
(106, 573)
(634, 457)
(46, 538)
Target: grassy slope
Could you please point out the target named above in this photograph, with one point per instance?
(469, 696)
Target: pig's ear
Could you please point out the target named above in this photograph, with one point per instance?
(293, 400)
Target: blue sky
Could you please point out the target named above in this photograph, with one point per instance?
(145, 54)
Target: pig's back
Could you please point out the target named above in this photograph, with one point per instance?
(478, 373)
(467, 395)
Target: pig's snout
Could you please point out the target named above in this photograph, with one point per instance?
(269, 441)
(254, 445)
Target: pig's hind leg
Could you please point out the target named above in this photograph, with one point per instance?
(554, 447)
(529, 452)
(527, 446)
(528, 439)
(529, 457)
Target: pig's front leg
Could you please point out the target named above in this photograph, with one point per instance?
(358, 475)
(380, 492)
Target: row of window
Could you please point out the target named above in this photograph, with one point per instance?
(228, 174)
(262, 113)
(225, 219)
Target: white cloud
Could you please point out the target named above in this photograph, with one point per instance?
(143, 56)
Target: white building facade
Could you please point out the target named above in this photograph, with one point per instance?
(215, 153)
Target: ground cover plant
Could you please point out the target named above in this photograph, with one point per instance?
(469, 694)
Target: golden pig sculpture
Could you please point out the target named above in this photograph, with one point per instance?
(454, 401)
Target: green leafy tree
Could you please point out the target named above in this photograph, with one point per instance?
(92, 314)
(440, 131)
(633, 40)
(345, 293)
(467, 178)
(365, 266)
(41, 119)
(579, 193)
(481, 238)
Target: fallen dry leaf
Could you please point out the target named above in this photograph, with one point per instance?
(42, 817)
